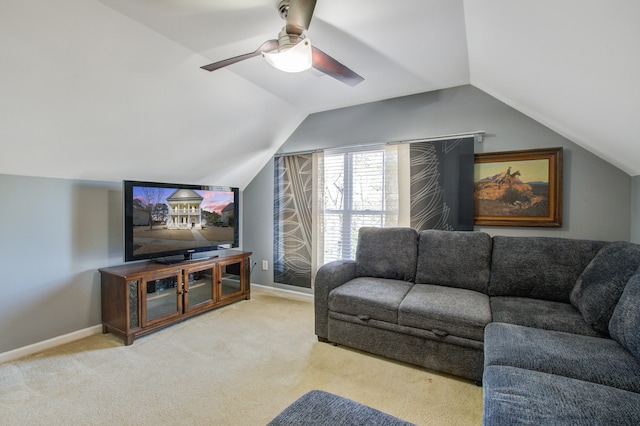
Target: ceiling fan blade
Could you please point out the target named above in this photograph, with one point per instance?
(328, 65)
(267, 46)
(299, 15)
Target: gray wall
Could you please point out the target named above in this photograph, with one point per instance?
(55, 234)
(635, 211)
(597, 195)
(257, 224)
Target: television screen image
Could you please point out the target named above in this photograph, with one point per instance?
(163, 219)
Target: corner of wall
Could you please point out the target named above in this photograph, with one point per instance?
(635, 210)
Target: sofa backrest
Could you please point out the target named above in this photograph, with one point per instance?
(539, 267)
(387, 253)
(625, 321)
(454, 258)
(600, 285)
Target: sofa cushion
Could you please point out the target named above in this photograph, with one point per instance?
(454, 258)
(599, 287)
(538, 267)
(593, 359)
(539, 313)
(446, 311)
(516, 396)
(387, 253)
(376, 298)
(624, 326)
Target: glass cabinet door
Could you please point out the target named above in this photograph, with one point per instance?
(199, 288)
(162, 298)
(231, 279)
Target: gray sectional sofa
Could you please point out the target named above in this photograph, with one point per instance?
(550, 326)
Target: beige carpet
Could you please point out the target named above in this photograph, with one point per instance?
(238, 365)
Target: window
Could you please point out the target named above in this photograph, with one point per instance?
(354, 196)
(322, 199)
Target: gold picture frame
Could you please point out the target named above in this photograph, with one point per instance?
(518, 188)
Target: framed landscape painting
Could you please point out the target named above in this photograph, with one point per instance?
(518, 188)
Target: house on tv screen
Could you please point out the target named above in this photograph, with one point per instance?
(184, 210)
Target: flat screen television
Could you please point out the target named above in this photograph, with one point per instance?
(169, 222)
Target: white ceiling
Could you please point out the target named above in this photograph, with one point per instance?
(112, 89)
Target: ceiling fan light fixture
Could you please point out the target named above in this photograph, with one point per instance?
(297, 58)
(295, 53)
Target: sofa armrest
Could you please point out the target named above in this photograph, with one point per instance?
(329, 276)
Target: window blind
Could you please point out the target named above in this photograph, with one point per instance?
(354, 196)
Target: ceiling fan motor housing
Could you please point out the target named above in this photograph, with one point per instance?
(287, 41)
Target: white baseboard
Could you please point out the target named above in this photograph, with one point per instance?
(50, 343)
(61, 340)
(284, 292)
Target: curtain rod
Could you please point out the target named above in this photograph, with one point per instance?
(478, 135)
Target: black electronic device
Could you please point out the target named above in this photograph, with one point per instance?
(163, 221)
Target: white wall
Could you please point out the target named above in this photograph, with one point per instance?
(89, 93)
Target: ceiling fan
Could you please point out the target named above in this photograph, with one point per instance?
(294, 50)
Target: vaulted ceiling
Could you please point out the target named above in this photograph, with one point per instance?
(112, 89)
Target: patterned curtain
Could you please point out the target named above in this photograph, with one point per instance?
(441, 188)
(427, 185)
(293, 209)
